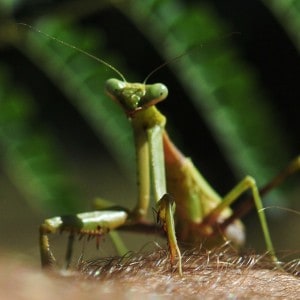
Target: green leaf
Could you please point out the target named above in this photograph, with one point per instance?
(288, 13)
(30, 155)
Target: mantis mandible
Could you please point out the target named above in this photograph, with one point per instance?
(187, 206)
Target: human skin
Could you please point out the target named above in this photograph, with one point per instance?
(206, 275)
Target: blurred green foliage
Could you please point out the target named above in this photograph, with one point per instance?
(218, 110)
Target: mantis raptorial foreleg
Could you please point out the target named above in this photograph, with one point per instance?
(148, 126)
(166, 206)
(96, 223)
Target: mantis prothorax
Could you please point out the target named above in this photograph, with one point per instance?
(187, 206)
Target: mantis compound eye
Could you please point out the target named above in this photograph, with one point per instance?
(114, 86)
(154, 94)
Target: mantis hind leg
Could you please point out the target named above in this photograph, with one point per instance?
(292, 168)
(247, 183)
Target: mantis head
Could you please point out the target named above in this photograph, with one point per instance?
(134, 97)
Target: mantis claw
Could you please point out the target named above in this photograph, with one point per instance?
(47, 258)
(166, 209)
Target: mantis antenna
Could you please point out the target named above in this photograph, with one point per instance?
(95, 57)
(75, 48)
(103, 61)
(162, 65)
(197, 46)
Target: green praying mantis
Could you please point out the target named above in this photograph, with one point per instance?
(188, 208)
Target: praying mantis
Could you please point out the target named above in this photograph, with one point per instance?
(188, 208)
